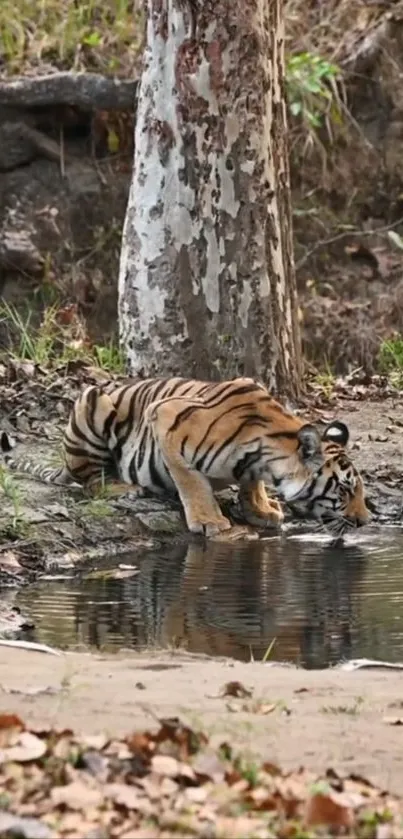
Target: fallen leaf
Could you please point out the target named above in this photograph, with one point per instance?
(29, 747)
(26, 828)
(96, 764)
(139, 742)
(165, 765)
(197, 795)
(8, 560)
(124, 795)
(77, 796)
(209, 767)
(328, 809)
(266, 709)
(236, 689)
(188, 741)
(95, 741)
(63, 746)
(10, 728)
(168, 787)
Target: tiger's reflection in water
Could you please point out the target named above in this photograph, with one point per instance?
(224, 601)
(216, 599)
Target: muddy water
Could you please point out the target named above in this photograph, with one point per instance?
(311, 603)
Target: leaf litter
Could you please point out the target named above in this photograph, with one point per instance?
(171, 782)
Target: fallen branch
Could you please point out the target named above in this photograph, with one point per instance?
(89, 91)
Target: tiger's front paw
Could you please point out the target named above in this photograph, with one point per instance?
(236, 533)
(269, 514)
(208, 527)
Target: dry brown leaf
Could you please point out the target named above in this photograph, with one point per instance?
(196, 795)
(271, 768)
(145, 832)
(8, 559)
(119, 750)
(165, 765)
(188, 741)
(266, 709)
(28, 747)
(10, 727)
(262, 799)
(168, 787)
(139, 742)
(77, 796)
(95, 741)
(328, 809)
(62, 749)
(152, 786)
(125, 795)
(209, 766)
(236, 689)
(244, 826)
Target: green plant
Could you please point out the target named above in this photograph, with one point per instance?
(13, 493)
(85, 34)
(53, 342)
(390, 359)
(269, 650)
(248, 769)
(95, 508)
(313, 86)
(326, 380)
(32, 344)
(109, 358)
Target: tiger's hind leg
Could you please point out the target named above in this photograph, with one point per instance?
(202, 512)
(257, 508)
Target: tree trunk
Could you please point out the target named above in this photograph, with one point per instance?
(207, 284)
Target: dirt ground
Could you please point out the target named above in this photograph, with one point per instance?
(316, 719)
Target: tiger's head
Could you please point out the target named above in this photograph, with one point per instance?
(333, 490)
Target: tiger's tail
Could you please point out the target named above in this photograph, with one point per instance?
(59, 476)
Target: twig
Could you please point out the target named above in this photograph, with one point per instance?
(324, 242)
(30, 646)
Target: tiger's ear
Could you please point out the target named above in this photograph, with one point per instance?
(336, 432)
(310, 445)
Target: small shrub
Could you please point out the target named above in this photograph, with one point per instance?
(313, 86)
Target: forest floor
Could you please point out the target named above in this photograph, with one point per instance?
(172, 744)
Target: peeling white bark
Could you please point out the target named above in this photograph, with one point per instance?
(206, 285)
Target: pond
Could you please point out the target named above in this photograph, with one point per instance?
(292, 598)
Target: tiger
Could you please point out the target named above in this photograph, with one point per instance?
(188, 437)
